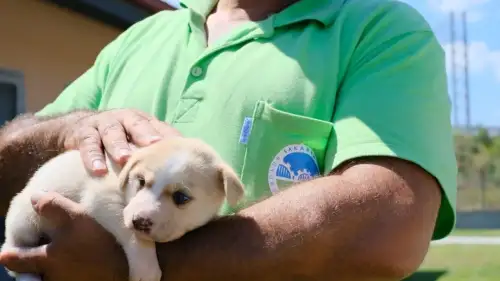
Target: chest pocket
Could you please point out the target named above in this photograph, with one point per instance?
(281, 149)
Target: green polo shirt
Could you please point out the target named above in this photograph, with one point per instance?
(291, 97)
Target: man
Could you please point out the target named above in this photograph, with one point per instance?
(346, 100)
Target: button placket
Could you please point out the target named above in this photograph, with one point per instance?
(190, 98)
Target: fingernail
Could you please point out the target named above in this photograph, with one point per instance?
(98, 165)
(124, 152)
(154, 138)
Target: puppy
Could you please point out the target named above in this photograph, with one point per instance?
(164, 190)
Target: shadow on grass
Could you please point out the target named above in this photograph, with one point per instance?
(426, 275)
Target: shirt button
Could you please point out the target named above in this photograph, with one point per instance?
(196, 71)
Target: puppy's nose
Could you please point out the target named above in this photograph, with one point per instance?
(142, 224)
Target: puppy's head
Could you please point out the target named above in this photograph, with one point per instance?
(175, 186)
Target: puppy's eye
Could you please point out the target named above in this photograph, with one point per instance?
(180, 198)
(141, 181)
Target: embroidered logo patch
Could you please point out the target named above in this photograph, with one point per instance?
(294, 163)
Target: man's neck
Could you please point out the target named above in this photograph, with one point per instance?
(251, 9)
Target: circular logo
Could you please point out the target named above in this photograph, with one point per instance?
(294, 163)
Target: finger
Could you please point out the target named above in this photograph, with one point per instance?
(114, 139)
(59, 210)
(90, 146)
(26, 260)
(158, 125)
(143, 114)
(165, 129)
(139, 129)
(71, 143)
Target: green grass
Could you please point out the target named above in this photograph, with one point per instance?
(462, 262)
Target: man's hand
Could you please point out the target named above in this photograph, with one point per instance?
(113, 130)
(82, 249)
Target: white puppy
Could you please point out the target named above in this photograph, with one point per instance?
(164, 191)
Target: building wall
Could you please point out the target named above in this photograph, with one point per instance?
(52, 46)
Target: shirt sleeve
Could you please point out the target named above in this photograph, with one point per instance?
(87, 90)
(393, 101)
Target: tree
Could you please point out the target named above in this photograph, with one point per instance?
(478, 158)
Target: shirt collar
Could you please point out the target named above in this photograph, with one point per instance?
(324, 11)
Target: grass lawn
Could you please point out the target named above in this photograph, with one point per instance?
(462, 262)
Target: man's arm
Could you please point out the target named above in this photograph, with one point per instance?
(372, 221)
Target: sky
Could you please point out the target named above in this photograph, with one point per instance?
(483, 51)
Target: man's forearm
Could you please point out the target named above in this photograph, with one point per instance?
(326, 229)
(26, 143)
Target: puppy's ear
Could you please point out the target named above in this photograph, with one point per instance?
(232, 185)
(123, 176)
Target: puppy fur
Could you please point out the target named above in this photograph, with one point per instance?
(165, 190)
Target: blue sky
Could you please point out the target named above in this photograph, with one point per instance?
(484, 52)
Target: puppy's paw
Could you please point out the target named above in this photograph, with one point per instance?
(142, 262)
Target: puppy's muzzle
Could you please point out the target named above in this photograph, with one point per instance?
(142, 224)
